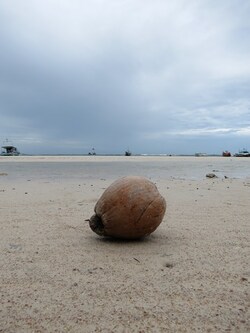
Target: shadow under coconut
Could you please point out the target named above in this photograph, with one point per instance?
(153, 239)
(124, 241)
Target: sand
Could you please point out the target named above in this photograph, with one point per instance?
(191, 275)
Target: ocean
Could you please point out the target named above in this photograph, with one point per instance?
(79, 168)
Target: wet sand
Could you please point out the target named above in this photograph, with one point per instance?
(191, 275)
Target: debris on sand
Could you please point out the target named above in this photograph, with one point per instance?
(211, 175)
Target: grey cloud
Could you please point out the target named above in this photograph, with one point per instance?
(123, 73)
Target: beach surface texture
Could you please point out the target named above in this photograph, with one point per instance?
(191, 275)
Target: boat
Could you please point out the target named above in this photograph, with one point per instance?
(200, 154)
(226, 153)
(128, 153)
(243, 153)
(8, 149)
(92, 152)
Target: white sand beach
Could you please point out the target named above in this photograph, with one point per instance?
(191, 275)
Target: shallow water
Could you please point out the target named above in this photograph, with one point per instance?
(110, 168)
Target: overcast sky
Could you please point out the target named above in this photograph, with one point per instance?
(154, 76)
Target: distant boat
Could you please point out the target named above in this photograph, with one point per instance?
(128, 153)
(243, 153)
(8, 149)
(200, 154)
(92, 152)
(226, 153)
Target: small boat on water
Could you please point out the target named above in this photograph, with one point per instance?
(243, 153)
(8, 149)
(200, 154)
(128, 153)
(226, 153)
(92, 152)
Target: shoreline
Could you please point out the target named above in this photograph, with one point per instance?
(49, 158)
(153, 167)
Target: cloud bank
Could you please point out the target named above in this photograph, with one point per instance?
(154, 76)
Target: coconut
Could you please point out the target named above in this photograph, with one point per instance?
(130, 208)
